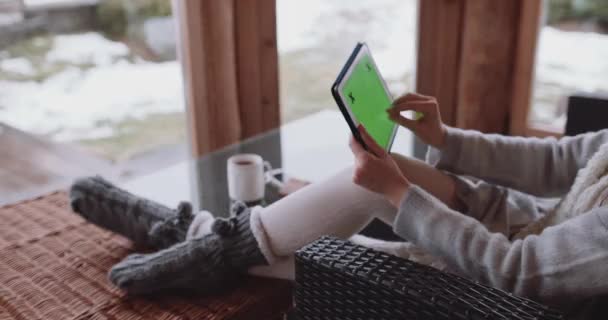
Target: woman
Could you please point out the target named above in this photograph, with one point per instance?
(478, 224)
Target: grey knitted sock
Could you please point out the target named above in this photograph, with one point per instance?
(207, 263)
(145, 222)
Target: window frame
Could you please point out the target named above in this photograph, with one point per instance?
(235, 42)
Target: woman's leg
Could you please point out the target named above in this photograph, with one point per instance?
(335, 206)
(269, 236)
(340, 208)
(145, 222)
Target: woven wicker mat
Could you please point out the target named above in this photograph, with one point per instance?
(53, 265)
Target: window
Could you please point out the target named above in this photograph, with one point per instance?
(316, 37)
(101, 74)
(572, 58)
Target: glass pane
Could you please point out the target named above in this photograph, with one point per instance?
(572, 57)
(316, 37)
(101, 75)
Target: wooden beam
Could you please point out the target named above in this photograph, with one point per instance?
(530, 16)
(257, 66)
(439, 47)
(486, 65)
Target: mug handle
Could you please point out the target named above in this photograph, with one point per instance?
(270, 175)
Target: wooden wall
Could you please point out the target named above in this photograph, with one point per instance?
(229, 57)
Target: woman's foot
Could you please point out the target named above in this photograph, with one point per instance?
(195, 264)
(205, 264)
(146, 222)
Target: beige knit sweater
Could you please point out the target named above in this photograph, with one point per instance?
(589, 191)
(566, 264)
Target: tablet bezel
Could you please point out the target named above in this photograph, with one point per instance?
(361, 49)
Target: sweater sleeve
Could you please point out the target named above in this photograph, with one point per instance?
(542, 167)
(498, 208)
(565, 261)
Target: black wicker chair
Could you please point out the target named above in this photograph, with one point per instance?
(336, 279)
(339, 280)
(586, 113)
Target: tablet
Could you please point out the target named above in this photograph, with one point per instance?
(363, 97)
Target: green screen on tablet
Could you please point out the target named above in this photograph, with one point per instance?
(368, 100)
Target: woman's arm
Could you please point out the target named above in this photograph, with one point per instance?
(542, 167)
(436, 182)
(565, 262)
(498, 208)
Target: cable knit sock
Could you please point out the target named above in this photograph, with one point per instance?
(206, 263)
(196, 264)
(145, 222)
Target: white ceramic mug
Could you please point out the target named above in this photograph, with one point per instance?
(247, 178)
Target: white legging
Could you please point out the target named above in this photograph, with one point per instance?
(335, 206)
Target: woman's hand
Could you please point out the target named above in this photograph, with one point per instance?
(429, 128)
(376, 170)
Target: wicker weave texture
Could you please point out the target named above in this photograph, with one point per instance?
(53, 265)
(339, 280)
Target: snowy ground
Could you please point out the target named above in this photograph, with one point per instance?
(388, 26)
(85, 103)
(567, 62)
(316, 37)
(86, 86)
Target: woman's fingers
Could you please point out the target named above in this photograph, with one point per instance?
(370, 142)
(408, 123)
(419, 106)
(356, 147)
(410, 97)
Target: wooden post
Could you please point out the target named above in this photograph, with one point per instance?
(230, 65)
(525, 59)
(477, 58)
(257, 61)
(207, 53)
(439, 46)
(489, 36)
